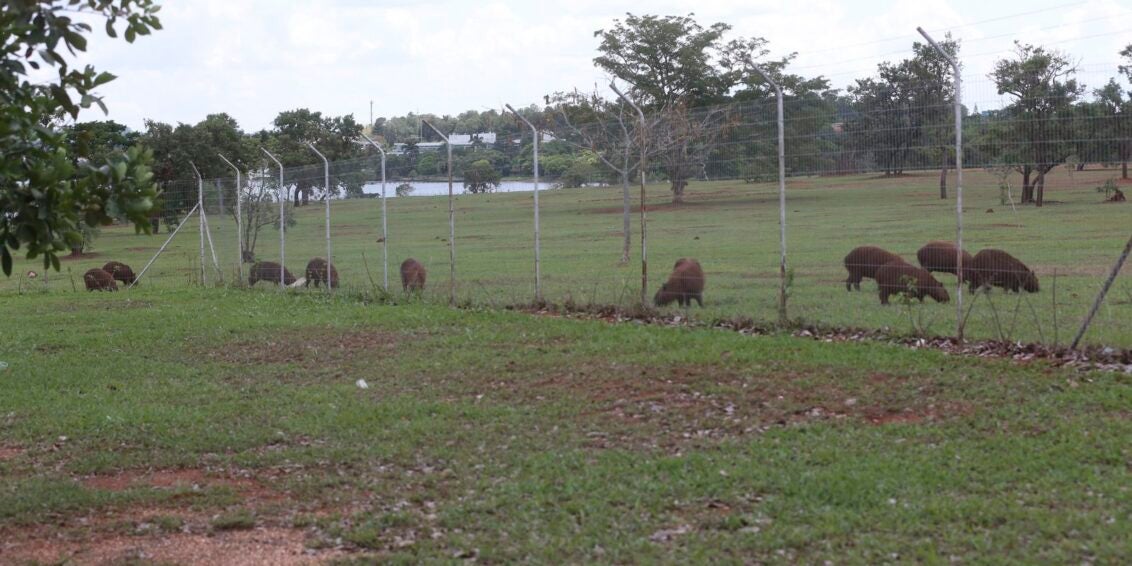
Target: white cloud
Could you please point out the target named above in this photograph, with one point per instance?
(255, 58)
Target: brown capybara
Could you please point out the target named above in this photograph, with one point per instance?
(940, 256)
(1000, 269)
(269, 271)
(864, 262)
(684, 284)
(413, 275)
(99, 280)
(897, 278)
(120, 271)
(316, 273)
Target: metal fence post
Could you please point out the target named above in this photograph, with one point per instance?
(160, 250)
(239, 223)
(384, 226)
(538, 236)
(958, 182)
(200, 212)
(326, 170)
(644, 237)
(282, 221)
(782, 315)
(451, 220)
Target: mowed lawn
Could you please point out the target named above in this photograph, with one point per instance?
(731, 227)
(172, 426)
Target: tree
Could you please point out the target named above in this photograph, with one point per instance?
(1044, 90)
(334, 137)
(44, 195)
(666, 59)
(481, 177)
(901, 117)
(674, 64)
(610, 131)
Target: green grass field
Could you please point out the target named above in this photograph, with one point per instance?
(732, 228)
(213, 426)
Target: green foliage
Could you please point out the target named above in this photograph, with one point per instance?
(481, 177)
(579, 174)
(44, 193)
(1044, 91)
(404, 190)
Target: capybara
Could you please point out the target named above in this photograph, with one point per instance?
(684, 284)
(940, 256)
(1000, 269)
(413, 275)
(316, 273)
(269, 271)
(864, 262)
(897, 278)
(99, 280)
(120, 271)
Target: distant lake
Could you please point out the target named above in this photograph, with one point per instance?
(434, 188)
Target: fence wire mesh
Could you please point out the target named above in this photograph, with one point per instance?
(869, 170)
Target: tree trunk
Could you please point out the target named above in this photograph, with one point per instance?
(1027, 188)
(678, 191)
(1081, 166)
(1040, 188)
(943, 179)
(1124, 169)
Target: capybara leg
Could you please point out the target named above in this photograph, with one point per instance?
(699, 299)
(884, 296)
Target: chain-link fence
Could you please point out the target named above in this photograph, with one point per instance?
(871, 187)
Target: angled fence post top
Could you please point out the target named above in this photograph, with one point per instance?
(239, 221)
(538, 234)
(644, 203)
(384, 224)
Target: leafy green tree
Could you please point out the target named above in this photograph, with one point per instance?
(481, 177)
(44, 196)
(1044, 90)
(335, 137)
(666, 59)
(96, 140)
(675, 65)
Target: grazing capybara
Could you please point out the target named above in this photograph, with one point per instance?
(864, 262)
(316, 273)
(898, 278)
(1000, 269)
(684, 284)
(269, 271)
(940, 256)
(99, 280)
(413, 275)
(120, 271)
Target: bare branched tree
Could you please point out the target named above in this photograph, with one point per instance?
(607, 129)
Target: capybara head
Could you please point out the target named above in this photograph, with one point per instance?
(664, 296)
(1030, 282)
(937, 292)
(120, 271)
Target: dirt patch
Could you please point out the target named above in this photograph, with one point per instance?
(11, 452)
(169, 479)
(305, 347)
(262, 545)
(669, 407)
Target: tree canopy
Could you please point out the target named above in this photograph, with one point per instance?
(46, 192)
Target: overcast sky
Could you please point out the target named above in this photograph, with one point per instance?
(255, 58)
